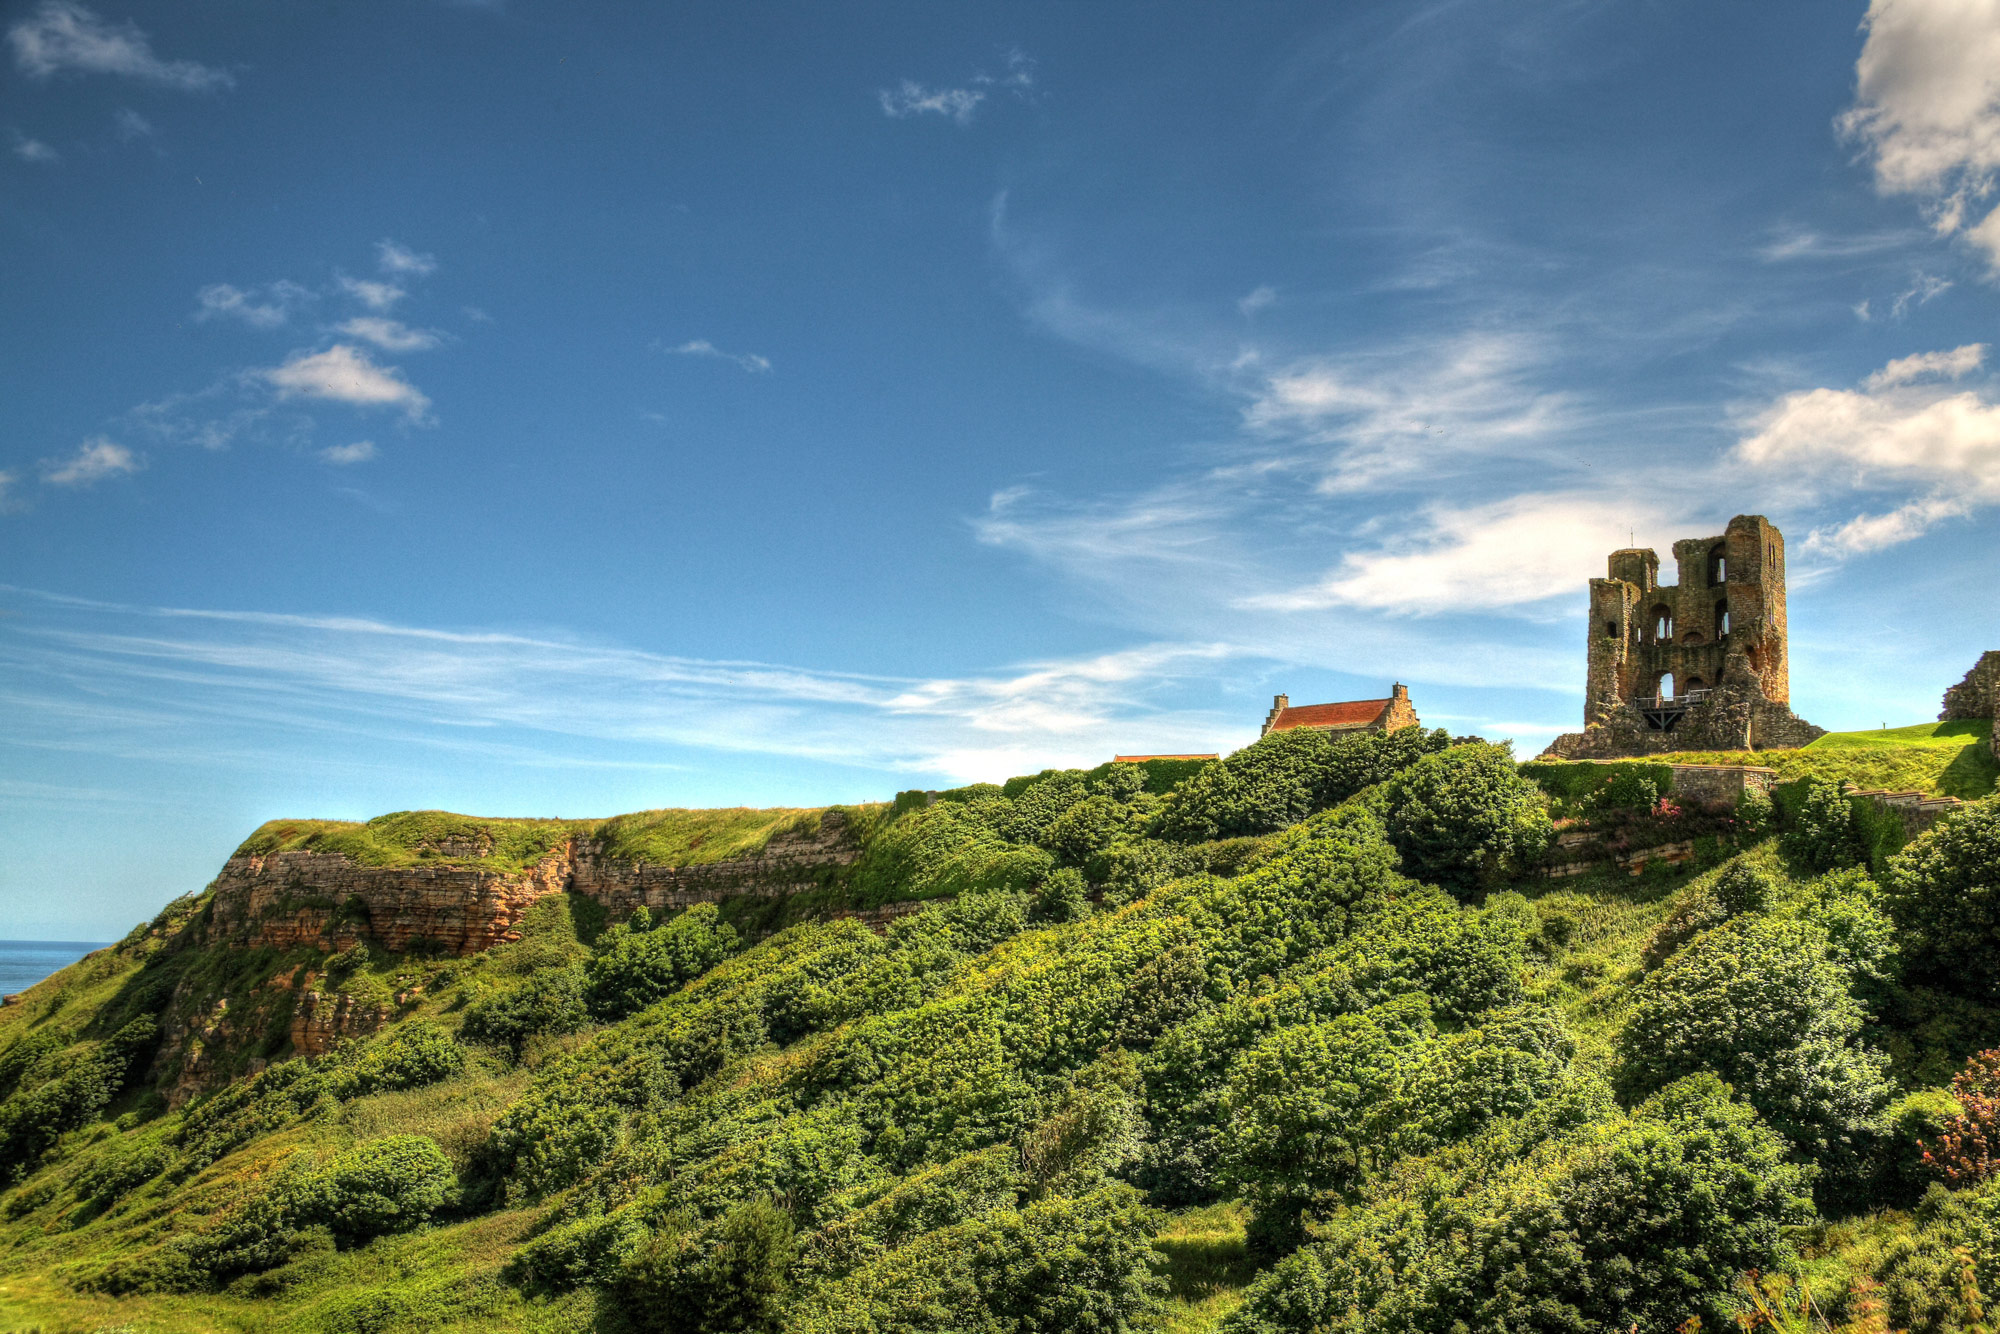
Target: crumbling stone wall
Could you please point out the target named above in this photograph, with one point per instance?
(1978, 695)
(1719, 784)
(1720, 631)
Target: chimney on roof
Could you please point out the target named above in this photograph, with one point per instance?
(1279, 703)
(1399, 691)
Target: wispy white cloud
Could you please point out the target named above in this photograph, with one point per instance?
(130, 125)
(374, 295)
(94, 460)
(1873, 532)
(389, 335)
(1927, 106)
(701, 347)
(361, 451)
(910, 98)
(1482, 559)
(1924, 289)
(271, 670)
(1804, 243)
(62, 35)
(1956, 364)
(344, 373)
(267, 307)
(34, 150)
(396, 258)
(1257, 299)
(9, 502)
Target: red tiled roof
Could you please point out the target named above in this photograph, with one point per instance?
(1134, 759)
(1352, 713)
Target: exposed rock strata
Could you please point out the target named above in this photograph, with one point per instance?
(325, 901)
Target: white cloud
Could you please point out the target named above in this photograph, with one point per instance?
(701, 347)
(94, 460)
(389, 335)
(1926, 288)
(34, 150)
(374, 295)
(341, 455)
(1896, 428)
(913, 99)
(63, 35)
(1392, 412)
(271, 672)
(1873, 532)
(1927, 105)
(1487, 558)
(1257, 299)
(1802, 243)
(8, 480)
(261, 308)
(1952, 365)
(131, 125)
(344, 373)
(398, 259)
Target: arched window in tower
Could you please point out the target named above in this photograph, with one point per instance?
(1665, 690)
(1661, 621)
(1718, 566)
(1721, 619)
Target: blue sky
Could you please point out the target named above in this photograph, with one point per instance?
(566, 409)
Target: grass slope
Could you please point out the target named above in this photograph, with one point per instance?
(1945, 759)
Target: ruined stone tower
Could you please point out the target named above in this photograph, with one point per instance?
(1698, 664)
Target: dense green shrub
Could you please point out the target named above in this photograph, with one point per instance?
(388, 1185)
(728, 1276)
(636, 963)
(1617, 1223)
(1758, 1002)
(1819, 831)
(1465, 820)
(949, 848)
(409, 1056)
(1285, 777)
(1944, 894)
(548, 1001)
(60, 1088)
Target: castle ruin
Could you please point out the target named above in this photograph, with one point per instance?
(1698, 664)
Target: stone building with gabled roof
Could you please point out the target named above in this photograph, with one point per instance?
(1354, 715)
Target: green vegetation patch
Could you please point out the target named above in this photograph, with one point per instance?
(1944, 759)
(415, 838)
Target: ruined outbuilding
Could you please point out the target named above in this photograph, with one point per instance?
(1698, 664)
(1977, 696)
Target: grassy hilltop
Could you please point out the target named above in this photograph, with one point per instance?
(1298, 1040)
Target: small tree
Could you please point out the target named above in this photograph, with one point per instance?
(1465, 819)
(1944, 894)
(728, 1276)
(1966, 1150)
(1820, 835)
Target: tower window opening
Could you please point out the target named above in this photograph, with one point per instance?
(1721, 618)
(1718, 567)
(1666, 686)
(1611, 629)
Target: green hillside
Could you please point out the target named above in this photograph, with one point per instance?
(1299, 1040)
(1945, 759)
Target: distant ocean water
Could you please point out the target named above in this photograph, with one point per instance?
(26, 962)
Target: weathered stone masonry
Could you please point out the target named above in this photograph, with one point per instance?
(1699, 664)
(1977, 696)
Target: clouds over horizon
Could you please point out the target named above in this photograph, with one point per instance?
(161, 671)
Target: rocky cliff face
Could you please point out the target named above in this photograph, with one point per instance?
(325, 901)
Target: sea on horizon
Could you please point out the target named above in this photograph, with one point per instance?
(26, 962)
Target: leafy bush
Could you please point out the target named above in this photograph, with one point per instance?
(58, 1089)
(388, 1185)
(410, 1056)
(1966, 1147)
(550, 1001)
(1944, 895)
(1758, 1002)
(1819, 833)
(637, 963)
(1464, 819)
(729, 1276)
(949, 848)
(1284, 778)
(1615, 1223)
